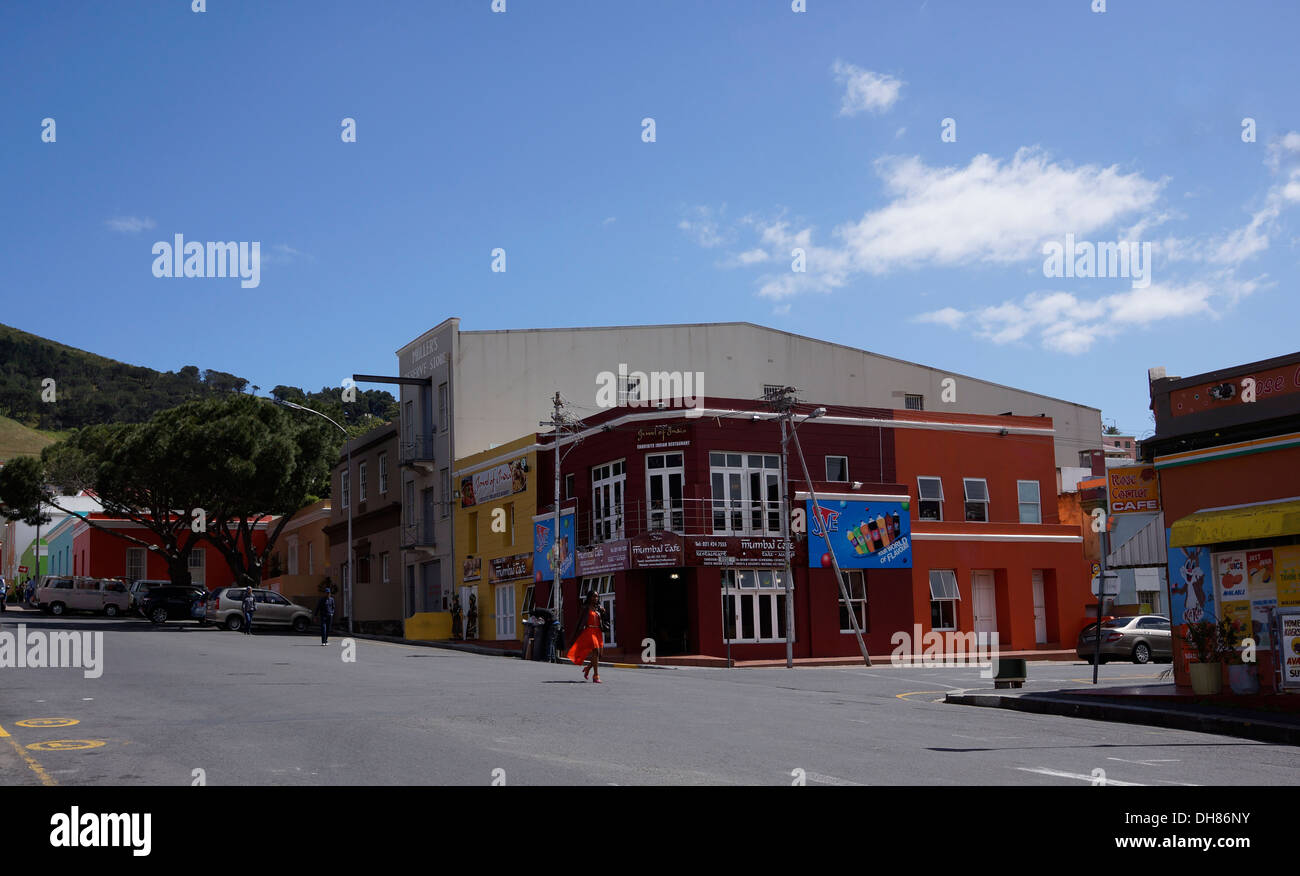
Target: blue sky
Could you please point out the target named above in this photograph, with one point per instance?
(774, 130)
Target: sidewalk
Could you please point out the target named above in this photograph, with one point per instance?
(1262, 717)
(876, 660)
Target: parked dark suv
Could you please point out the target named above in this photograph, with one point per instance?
(162, 603)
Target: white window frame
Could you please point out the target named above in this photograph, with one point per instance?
(920, 496)
(920, 401)
(967, 500)
(444, 400)
(735, 515)
(859, 602)
(608, 500)
(444, 481)
(345, 487)
(293, 554)
(142, 562)
(505, 622)
(383, 566)
(670, 515)
(604, 587)
(383, 474)
(829, 479)
(949, 595)
(1037, 503)
(758, 588)
(361, 482)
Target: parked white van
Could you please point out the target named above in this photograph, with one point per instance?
(60, 594)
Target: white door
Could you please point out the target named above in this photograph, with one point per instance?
(1040, 609)
(505, 597)
(986, 610)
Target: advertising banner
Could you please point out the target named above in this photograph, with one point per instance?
(1191, 585)
(1132, 489)
(472, 568)
(511, 568)
(603, 558)
(657, 550)
(1288, 621)
(1286, 571)
(494, 483)
(542, 543)
(874, 534)
(1263, 594)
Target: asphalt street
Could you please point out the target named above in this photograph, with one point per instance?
(180, 703)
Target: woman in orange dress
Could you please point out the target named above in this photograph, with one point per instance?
(588, 640)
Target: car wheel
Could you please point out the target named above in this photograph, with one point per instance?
(57, 609)
(300, 624)
(234, 623)
(158, 615)
(110, 611)
(1141, 653)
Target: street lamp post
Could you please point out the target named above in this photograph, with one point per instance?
(347, 579)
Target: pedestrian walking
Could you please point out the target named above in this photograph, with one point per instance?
(250, 607)
(325, 608)
(4, 593)
(589, 640)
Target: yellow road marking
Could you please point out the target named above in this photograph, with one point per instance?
(913, 693)
(66, 744)
(31, 762)
(48, 722)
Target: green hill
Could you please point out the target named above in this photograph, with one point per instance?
(92, 389)
(19, 440)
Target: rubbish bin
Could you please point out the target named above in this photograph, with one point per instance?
(543, 635)
(530, 638)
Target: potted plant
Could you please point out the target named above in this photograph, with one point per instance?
(1206, 673)
(1242, 676)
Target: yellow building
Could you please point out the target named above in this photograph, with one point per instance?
(497, 498)
(300, 563)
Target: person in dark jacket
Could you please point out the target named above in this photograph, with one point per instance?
(250, 607)
(325, 608)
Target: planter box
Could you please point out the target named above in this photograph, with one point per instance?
(1206, 678)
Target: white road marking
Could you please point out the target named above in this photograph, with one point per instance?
(1151, 762)
(1083, 777)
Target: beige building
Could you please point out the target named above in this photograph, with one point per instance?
(465, 392)
(300, 565)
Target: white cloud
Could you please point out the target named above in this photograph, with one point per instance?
(1066, 323)
(704, 227)
(865, 91)
(129, 224)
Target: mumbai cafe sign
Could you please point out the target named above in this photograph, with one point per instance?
(1132, 489)
(496, 482)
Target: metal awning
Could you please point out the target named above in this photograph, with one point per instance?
(1144, 549)
(1239, 523)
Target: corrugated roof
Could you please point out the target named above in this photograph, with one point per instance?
(1146, 547)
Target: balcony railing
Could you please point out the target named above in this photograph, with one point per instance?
(415, 450)
(418, 534)
(683, 516)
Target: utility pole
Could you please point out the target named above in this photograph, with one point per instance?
(784, 403)
(561, 423)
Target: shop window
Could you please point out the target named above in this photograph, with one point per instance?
(529, 597)
(977, 500)
(855, 581)
(1030, 507)
(753, 605)
(944, 596)
(837, 468)
(930, 493)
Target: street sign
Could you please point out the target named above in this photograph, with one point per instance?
(1112, 584)
(22, 569)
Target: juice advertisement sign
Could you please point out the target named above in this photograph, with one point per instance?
(874, 534)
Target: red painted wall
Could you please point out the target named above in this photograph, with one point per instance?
(1258, 477)
(103, 555)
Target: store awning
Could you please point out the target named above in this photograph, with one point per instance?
(1260, 520)
(1144, 549)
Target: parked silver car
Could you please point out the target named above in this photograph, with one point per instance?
(226, 607)
(1141, 638)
